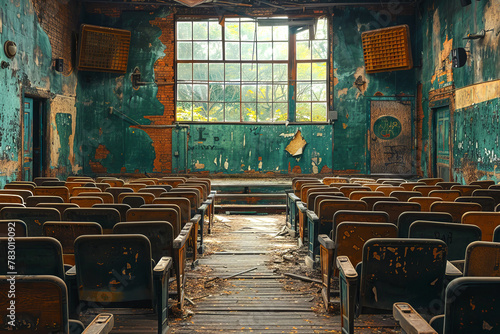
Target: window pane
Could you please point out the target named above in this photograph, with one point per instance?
(280, 72)
(248, 93)
(303, 92)
(248, 31)
(200, 50)
(232, 51)
(249, 72)
(216, 72)
(184, 51)
(265, 72)
(216, 112)
(264, 112)
(232, 112)
(249, 112)
(200, 112)
(319, 92)
(304, 71)
(184, 71)
(319, 112)
(248, 51)
(264, 51)
(184, 92)
(319, 49)
(200, 92)
(280, 33)
(265, 93)
(303, 50)
(216, 92)
(280, 92)
(319, 71)
(232, 31)
(215, 50)
(264, 33)
(232, 93)
(321, 29)
(280, 112)
(303, 112)
(280, 50)
(184, 30)
(200, 71)
(215, 31)
(303, 35)
(184, 111)
(232, 72)
(200, 30)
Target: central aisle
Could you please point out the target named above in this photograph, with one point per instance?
(262, 300)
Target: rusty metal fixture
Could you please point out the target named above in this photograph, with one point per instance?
(10, 49)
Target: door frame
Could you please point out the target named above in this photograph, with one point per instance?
(41, 96)
(406, 98)
(439, 98)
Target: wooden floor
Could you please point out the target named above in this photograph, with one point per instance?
(260, 300)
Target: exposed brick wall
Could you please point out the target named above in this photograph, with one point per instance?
(59, 20)
(164, 75)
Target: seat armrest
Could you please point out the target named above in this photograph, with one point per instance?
(181, 239)
(103, 323)
(346, 269)
(163, 266)
(196, 219)
(452, 271)
(293, 197)
(301, 206)
(203, 207)
(208, 201)
(312, 216)
(326, 242)
(71, 273)
(410, 321)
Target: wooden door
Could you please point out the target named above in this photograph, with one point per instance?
(442, 143)
(390, 137)
(28, 139)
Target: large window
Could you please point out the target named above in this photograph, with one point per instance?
(242, 72)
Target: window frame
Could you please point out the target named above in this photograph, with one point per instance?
(292, 80)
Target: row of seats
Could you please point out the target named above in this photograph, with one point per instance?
(390, 241)
(111, 243)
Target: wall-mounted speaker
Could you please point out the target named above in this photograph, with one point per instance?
(465, 2)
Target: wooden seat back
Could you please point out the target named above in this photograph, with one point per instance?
(116, 191)
(466, 190)
(445, 195)
(106, 217)
(484, 184)
(23, 193)
(387, 190)
(148, 197)
(67, 232)
(85, 201)
(404, 196)
(456, 209)
(494, 193)
(424, 201)
(34, 200)
(13, 228)
(155, 191)
(122, 208)
(78, 190)
(61, 207)
(407, 218)
(35, 256)
(482, 259)
(487, 222)
(358, 195)
(114, 182)
(342, 216)
(408, 186)
(348, 189)
(39, 180)
(135, 186)
(20, 186)
(456, 236)
(487, 203)
(171, 215)
(11, 198)
(370, 201)
(394, 209)
(183, 203)
(431, 181)
(33, 217)
(105, 196)
(447, 185)
(334, 179)
(425, 190)
(62, 192)
(133, 201)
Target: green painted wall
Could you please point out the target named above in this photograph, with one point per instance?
(29, 71)
(353, 103)
(443, 25)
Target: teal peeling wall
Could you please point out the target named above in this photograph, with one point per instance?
(30, 70)
(353, 103)
(443, 25)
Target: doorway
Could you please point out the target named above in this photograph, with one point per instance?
(441, 151)
(34, 119)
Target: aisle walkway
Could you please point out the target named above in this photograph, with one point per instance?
(261, 300)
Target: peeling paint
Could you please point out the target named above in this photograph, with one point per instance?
(342, 92)
(198, 165)
(296, 145)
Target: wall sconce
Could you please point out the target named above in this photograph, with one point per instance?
(458, 57)
(10, 49)
(135, 77)
(59, 64)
